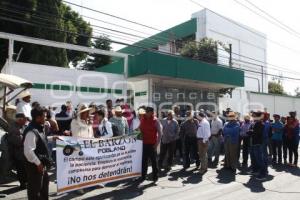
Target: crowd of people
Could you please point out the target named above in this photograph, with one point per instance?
(199, 137)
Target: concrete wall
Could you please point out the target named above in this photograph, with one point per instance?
(64, 76)
(248, 101)
(245, 41)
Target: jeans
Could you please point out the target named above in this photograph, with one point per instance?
(258, 162)
(214, 147)
(166, 149)
(277, 151)
(246, 149)
(190, 147)
(293, 150)
(149, 152)
(265, 157)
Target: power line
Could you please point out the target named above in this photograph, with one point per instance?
(159, 42)
(133, 41)
(268, 39)
(114, 16)
(272, 17)
(39, 26)
(265, 18)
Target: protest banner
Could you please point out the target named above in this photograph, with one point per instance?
(83, 163)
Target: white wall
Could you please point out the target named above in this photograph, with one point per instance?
(245, 41)
(248, 101)
(141, 86)
(65, 76)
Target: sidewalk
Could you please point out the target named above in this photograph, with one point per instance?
(283, 183)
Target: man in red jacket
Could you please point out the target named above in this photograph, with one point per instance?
(152, 131)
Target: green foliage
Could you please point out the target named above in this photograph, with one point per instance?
(95, 60)
(49, 13)
(275, 87)
(205, 50)
(297, 91)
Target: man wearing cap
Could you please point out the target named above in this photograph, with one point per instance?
(267, 140)
(231, 133)
(203, 135)
(38, 159)
(24, 105)
(168, 142)
(81, 126)
(292, 134)
(152, 131)
(63, 120)
(256, 141)
(277, 136)
(215, 140)
(188, 130)
(119, 122)
(16, 147)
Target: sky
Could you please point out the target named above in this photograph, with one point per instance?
(163, 14)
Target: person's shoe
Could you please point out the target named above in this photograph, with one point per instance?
(202, 171)
(252, 173)
(23, 186)
(80, 192)
(261, 178)
(155, 179)
(168, 168)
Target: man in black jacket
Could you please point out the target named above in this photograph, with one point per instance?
(256, 141)
(16, 148)
(37, 155)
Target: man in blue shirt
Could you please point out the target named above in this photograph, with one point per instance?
(277, 135)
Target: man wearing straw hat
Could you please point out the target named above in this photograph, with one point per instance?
(119, 122)
(81, 126)
(256, 133)
(231, 133)
(24, 105)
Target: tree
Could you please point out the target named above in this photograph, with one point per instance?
(48, 17)
(297, 91)
(205, 50)
(275, 87)
(96, 60)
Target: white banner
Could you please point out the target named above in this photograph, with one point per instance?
(83, 163)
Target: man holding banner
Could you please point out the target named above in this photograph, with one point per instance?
(152, 131)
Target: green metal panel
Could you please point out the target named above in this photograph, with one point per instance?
(182, 30)
(66, 87)
(178, 67)
(93, 89)
(117, 67)
(38, 86)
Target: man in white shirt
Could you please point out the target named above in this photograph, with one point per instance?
(38, 159)
(215, 140)
(203, 135)
(24, 105)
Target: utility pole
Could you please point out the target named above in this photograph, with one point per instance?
(262, 79)
(230, 55)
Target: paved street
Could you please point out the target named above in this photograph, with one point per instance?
(283, 183)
